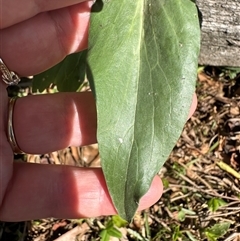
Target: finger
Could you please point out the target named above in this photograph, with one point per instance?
(41, 191)
(70, 118)
(37, 44)
(193, 106)
(13, 12)
(6, 154)
(45, 123)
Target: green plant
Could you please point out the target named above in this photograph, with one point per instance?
(141, 64)
(111, 228)
(216, 231)
(183, 212)
(230, 72)
(176, 234)
(215, 203)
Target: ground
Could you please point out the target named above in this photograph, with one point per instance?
(201, 199)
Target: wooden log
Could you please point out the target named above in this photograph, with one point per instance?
(220, 37)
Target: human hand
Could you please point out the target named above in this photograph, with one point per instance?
(36, 35)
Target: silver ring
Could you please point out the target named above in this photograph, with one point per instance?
(8, 76)
(11, 136)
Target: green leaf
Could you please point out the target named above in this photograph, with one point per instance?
(114, 232)
(183, 212)
(217, 231)
(176, 234)
(142, 65)
(181, 215)
(119, 222)
(104, 235)
(165, 183)
(68, 75)
(190, 236)
(215, 203)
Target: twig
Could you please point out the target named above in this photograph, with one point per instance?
(222, 214)
(230, 204)
(180, 197)
(72, 234)
(194, 184)
(209, 192)
(196, 176)
(228, 169)
(212, 147)
(233, 237)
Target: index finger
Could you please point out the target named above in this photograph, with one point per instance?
(39, 43)
(13, 12)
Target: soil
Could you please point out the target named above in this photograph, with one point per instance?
(201, 178)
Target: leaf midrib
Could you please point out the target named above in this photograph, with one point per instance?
(141, 38)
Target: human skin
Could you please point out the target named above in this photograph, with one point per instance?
(36, 35)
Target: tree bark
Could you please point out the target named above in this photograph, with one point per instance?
(220, 36)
